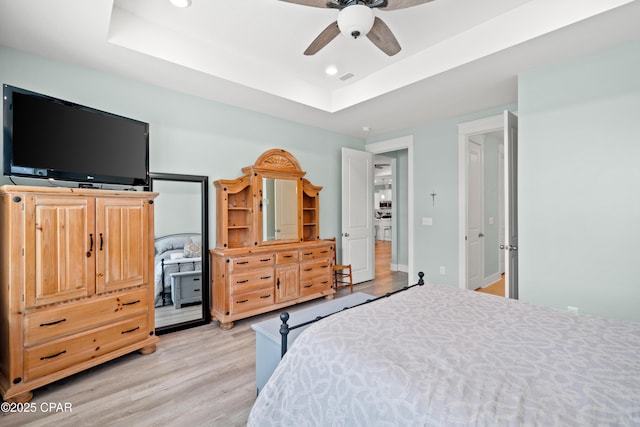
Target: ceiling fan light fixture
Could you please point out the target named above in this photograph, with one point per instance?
(356, 20)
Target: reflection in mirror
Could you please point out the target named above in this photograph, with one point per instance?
(279, 209)
(180, 251)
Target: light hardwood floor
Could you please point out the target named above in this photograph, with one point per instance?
(496, 288)
(202, 376)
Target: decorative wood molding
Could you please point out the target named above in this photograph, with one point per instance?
(278, 161)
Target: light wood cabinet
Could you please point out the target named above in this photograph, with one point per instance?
(76, 292)
(268, 254)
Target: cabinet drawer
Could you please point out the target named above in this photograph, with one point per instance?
(314, 285)
(250, 262)
(251, 280)
(288, 256)
(315, 268)
(251, 300)
(59, 354)
(66, 319)
(315, 253)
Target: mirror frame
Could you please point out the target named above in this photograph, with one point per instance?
(203, 181)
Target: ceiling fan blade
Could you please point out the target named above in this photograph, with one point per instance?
(323, 38)
(402, 4)
(382, 37)
(312, 3)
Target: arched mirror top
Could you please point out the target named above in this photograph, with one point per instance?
(276, 162)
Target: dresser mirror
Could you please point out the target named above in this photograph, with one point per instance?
(181, 264)
(279, 207)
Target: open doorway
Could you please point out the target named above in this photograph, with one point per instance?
(383, 217)
(393, 208)
(488, 203)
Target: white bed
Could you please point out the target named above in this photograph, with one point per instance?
(441, 356)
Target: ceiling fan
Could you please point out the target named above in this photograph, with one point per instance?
(355, 19)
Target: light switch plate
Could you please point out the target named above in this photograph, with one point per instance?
(427, 221)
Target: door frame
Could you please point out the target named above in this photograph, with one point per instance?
(402, 143)
(466, 130)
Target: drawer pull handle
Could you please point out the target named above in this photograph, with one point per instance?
(287, 256)
(265, 260)
(324, 252)
(55, 322)
(242, 281)
(53, 355)
(130, 330)
(308, 269)
(131, 303)
(325, 282)
(196, 290)
(324, 266)
(308, 253)
(265, 277)
(196, 279)
(242, 301)
(308, 286)
(242, 262)
(265, 296)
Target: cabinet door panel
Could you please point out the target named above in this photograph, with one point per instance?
(59, 240)
(122, 250)
(286, 282)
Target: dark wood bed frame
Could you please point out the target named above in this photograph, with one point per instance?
(284, 316)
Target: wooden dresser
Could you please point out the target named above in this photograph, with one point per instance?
(76, 282)
(268, 254)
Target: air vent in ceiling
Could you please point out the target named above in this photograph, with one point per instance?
(346, 76)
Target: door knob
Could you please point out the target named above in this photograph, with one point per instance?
(513, 248)
(501, 246)
(345, 234)
(480, 234)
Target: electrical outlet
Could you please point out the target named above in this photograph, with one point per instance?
(572, 309)
(442, 270)
(427, 221)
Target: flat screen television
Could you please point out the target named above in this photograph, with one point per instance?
(46, 137)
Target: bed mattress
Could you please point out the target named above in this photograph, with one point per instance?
(442, 356)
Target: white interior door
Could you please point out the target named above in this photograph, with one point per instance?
(475, 215)
(511, 204)
(286, 219)
(357, 213)
(501, 205)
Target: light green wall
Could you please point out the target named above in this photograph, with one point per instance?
(579, 183)
(190, 135)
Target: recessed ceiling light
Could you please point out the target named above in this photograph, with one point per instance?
(331, 70)
(181, 3)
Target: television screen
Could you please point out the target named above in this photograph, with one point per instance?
(47, 137)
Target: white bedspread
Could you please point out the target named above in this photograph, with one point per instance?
(441, 356)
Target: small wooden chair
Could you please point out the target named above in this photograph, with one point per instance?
(342, 274)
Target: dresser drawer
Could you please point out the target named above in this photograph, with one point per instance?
(314, 285)
(62, 320)
(316, 253)
(287, 256)
(251, 261)
(315, 268)
(251, 280)
(251, 300)
(60, 354)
